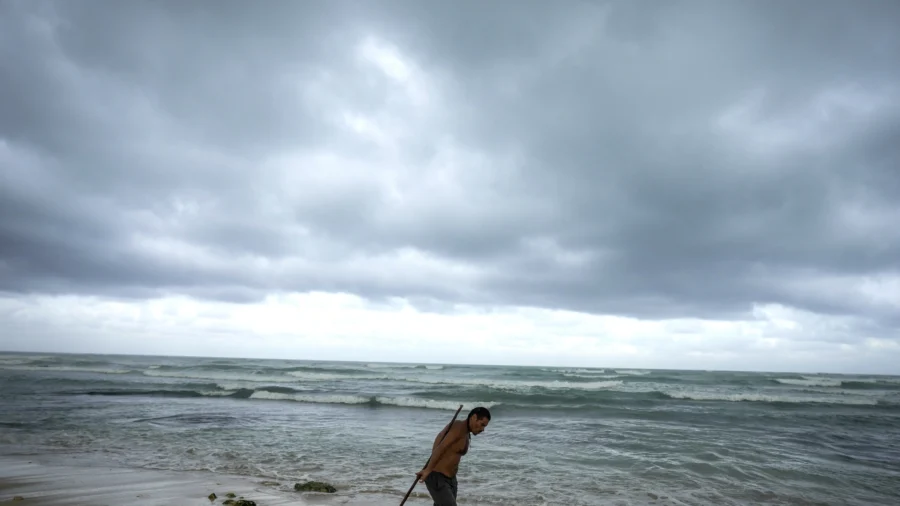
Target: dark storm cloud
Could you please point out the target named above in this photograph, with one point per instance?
(686, 159)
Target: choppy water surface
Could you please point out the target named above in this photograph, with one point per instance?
(558, 436)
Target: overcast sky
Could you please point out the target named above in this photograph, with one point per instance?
(710, 185)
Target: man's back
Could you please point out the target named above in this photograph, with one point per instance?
(448, 462)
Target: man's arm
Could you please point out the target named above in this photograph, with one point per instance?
(437, 439)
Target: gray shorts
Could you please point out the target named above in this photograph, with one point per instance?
(441, 488)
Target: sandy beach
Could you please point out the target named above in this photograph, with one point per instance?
(71, 480)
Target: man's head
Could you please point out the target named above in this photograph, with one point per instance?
(478, 419)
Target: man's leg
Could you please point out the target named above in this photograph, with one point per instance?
(442, 489)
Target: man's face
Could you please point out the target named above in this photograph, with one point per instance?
(477, 425)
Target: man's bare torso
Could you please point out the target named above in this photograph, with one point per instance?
(448, 464)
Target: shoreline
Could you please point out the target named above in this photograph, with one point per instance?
(76, 479)
(69, 480)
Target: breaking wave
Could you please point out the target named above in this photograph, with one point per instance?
(757, 397)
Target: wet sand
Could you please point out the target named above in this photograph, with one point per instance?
(41, 482)
(81, 480)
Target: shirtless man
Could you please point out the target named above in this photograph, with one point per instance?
(440, 473)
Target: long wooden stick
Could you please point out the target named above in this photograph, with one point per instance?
(411, 487)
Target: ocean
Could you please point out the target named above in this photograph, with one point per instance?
(558, 436)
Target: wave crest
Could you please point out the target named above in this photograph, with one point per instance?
(809, 382)
(757, 397)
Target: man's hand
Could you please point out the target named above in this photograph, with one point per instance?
(421, 475)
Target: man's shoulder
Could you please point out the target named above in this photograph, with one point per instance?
(452, 429)
(456, 430)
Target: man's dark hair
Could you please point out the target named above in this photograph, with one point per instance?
(479, 412)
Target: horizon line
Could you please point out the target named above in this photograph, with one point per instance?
(632, 368)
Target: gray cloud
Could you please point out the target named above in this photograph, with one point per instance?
(677, 160)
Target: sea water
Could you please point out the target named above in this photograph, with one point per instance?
(567, 436)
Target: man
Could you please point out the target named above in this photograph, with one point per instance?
(439, 474)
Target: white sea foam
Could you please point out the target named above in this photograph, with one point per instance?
(513, 385)
(434, 367)
(324, 399)
(631, 372)
(873, 381)
(569, 370)
(223, 393)
(408, 402)
(324, 376)
(412, 402)
(810, 382)
(757, 397)
(220, 376)
(233, 386)
(590, 376)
